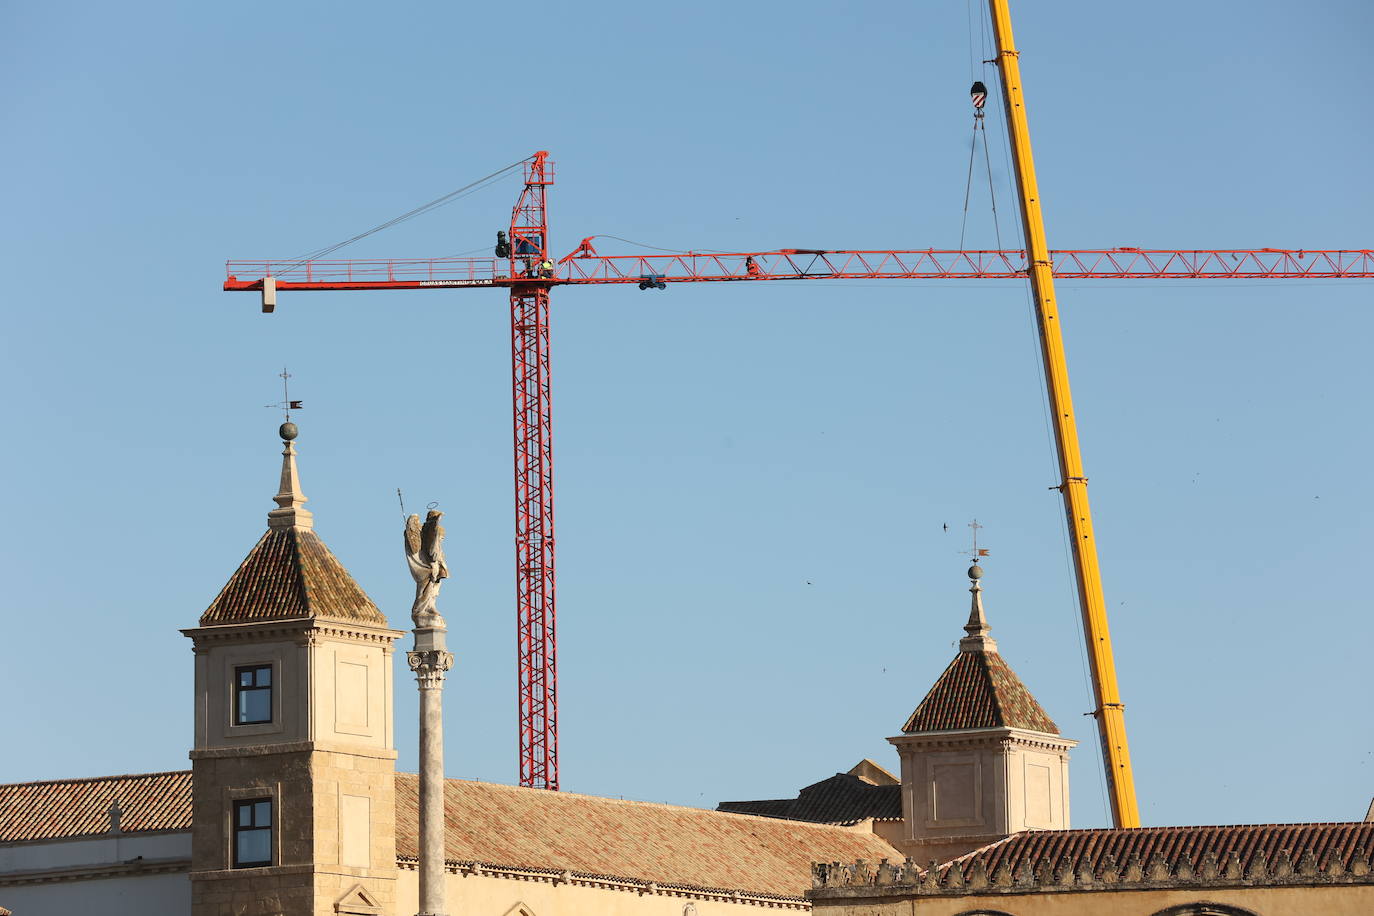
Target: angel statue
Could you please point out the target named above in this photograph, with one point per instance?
(425, 554)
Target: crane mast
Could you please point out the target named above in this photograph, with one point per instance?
(1109, 711)
(536, 620)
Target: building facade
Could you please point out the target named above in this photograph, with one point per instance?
(293, 807)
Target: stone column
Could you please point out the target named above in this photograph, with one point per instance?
(429, 661)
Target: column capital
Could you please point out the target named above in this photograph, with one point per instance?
(429, 666)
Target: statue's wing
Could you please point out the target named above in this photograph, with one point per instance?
(431, 538)
(413, 536)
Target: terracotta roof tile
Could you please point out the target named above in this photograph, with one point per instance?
(979, 690)
(538, 829)
(290, 574)
(501, 826)
(1341, 840)
(841, 799)
(80, 807)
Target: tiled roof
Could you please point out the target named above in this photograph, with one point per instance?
(841, 799)
(1325, 841)
(81, 807)
(979, 690)
(290, 574)
(763, 807)
(538, 829)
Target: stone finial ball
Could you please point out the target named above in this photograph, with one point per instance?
(975, 571)
(288, 431)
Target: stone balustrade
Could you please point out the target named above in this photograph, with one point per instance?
(971, 876)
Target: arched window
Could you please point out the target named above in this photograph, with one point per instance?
(1205, 908)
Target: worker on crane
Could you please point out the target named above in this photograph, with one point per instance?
(751, 268)
(502, 245)
(546, 268)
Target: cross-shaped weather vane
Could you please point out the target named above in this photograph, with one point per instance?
(286, 405)
(976, 550)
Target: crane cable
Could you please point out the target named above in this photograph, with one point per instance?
(992, 191)
(448, 198)
(968, 184)
(682, 251)
(979, 129)
(977, 57)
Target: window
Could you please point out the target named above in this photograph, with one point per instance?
(253, 695)
(253, 833)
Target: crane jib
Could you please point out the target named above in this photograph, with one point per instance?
(784, 264)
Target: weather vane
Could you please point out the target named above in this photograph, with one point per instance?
(976, 550)
(286, 405)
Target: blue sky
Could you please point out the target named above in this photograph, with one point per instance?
(755, 587)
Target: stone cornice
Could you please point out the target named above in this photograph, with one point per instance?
(276, 871)
(970, 877)
(304, 630)
(88, 837)
(130, 868)
(292, 747)
(610, 882)
(982, 737)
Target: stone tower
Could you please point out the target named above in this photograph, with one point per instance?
(980, 758)
(293, 766)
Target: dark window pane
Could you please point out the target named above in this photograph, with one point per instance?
(255, 706)
(245, 678)
(254, 846)
(252, 833)
(264, 677)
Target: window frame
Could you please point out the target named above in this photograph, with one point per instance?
(236, 720)
(236, 830)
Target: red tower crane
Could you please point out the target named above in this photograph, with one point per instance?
(528, 273)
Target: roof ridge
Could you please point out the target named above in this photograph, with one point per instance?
(577, 873)
(561, 794)
(76, 779)
(299, 569)
(1177, 827)
(994, 694)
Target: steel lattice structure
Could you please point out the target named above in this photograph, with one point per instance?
(537, 642)
(584, 267)
(528, 273)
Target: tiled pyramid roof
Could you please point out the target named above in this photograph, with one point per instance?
(541, 830)
(979, 690)
(81, 807)
(841, 799)
(288, 575)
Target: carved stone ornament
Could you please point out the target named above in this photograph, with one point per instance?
(425, 557)
(429, 666)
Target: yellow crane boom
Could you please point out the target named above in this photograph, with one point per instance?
(1110, 712)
